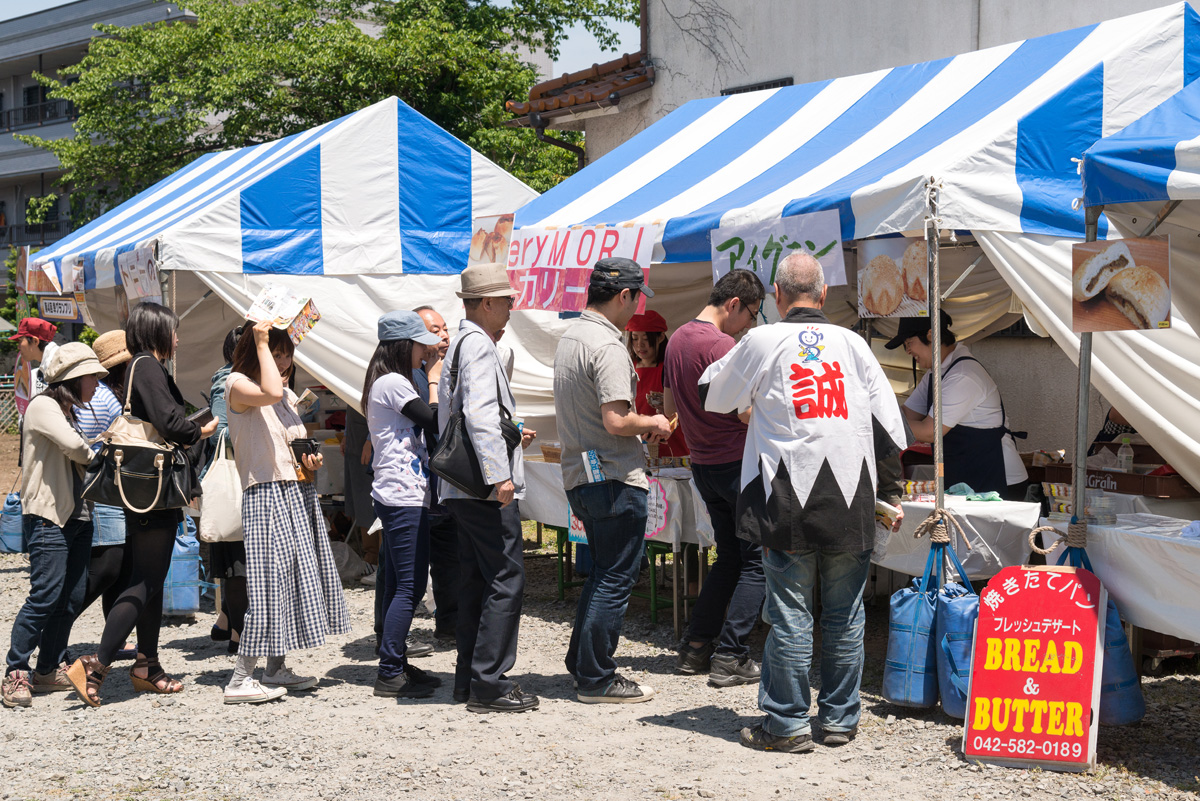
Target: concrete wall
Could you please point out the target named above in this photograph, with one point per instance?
(700, 47)
(1037, 381)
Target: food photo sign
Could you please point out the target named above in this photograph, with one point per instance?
(1121, 285)
(1034, 694)
(761, 246)
(893, 274)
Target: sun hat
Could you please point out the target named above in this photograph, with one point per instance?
(72, 360)
(406, 325)
(650, 322)
(619, 272)
(915, 326)
(486, 281)
(110, 349)
(37, 328)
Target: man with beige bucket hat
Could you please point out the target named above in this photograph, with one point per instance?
(489, 530)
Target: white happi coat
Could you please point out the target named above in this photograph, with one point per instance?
(825, 423)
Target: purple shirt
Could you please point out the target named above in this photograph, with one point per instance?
(712, 438)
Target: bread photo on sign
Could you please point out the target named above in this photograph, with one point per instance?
(916, 270)
(1093, 275)
(479, 241)
(1141, 295)
(882, 286)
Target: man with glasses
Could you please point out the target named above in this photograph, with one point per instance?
(604, 472)
(732, 596)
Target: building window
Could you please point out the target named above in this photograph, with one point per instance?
(754, 87)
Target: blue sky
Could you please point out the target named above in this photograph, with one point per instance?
(578, 52)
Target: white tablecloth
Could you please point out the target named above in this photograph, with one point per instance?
(685, 519)
(997, 530)
(1150, 571)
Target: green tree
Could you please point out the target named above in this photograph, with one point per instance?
(152, 98)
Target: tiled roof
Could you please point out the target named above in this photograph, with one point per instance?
(586, 89)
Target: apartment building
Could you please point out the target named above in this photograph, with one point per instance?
(45, 42)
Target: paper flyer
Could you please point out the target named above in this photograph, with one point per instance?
(286, 310)
(139, 275)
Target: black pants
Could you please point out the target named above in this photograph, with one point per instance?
(492, 587)
(732, 596)
(108, 575)
(151, 540)
(444, 571)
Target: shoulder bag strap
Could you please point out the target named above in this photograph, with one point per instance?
(454, 368)
(129, 385)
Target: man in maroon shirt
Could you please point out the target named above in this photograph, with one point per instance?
(732, 596)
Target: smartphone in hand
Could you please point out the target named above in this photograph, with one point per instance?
(202, 417)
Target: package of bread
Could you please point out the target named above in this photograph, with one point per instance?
(881, 286)
(1093, 275)
(1142, 295)
(916, 270)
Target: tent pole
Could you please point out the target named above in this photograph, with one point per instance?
(935, 309)
(1079, 479)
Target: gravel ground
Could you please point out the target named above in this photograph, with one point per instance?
(339, 741)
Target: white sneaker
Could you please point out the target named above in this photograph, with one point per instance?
(368, 579)
(288, 680)
(251, 692)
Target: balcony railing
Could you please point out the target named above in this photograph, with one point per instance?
(39, 234)
(39, 114)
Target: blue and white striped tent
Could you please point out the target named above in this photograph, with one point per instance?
(996, 128)
(1000, 132)
(368, 213)
(1152, 167)
(382, 190)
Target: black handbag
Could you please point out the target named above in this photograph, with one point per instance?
(136, 468)
(454, 459)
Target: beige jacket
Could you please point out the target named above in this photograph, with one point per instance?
(50, 446)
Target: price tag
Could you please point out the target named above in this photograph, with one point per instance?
(1034, 696)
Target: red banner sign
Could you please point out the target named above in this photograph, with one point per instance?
(550, 268)
(1035, 675)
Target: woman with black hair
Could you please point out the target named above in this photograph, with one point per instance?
(150, 335)
(295, 595)
(396, 417)
(228, 558)
(57, 522)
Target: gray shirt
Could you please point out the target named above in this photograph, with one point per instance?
(591, 368)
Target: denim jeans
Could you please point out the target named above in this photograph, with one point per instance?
(58, 563)
(784, 693)
(731, 599)
(405, 571)
(108, 525)
(614, 521)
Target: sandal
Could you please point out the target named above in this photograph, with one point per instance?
(157, 681)
(86, 675)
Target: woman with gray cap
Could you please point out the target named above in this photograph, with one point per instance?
(403, 428)
(58, 524)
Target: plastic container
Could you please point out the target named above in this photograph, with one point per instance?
(181, 591)
(1125, 456)
(12, 535)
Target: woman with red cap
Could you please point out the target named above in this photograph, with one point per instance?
(647, 346)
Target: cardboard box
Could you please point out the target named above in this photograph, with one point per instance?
(1125, 483)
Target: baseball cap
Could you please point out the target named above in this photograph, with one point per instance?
(406, 325)
(619, 272)
(37, 328)
(915, 326)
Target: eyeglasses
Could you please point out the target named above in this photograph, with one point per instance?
(759, 314)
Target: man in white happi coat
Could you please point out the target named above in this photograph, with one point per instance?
(823, 443)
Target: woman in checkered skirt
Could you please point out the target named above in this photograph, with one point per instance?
(293, 586)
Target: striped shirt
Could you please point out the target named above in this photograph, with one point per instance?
(95, 416)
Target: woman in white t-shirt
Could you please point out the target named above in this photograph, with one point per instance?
(979, 448)
(402, 426)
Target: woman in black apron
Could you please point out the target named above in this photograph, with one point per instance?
(973, 456)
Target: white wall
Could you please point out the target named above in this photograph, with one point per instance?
(699, 52)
